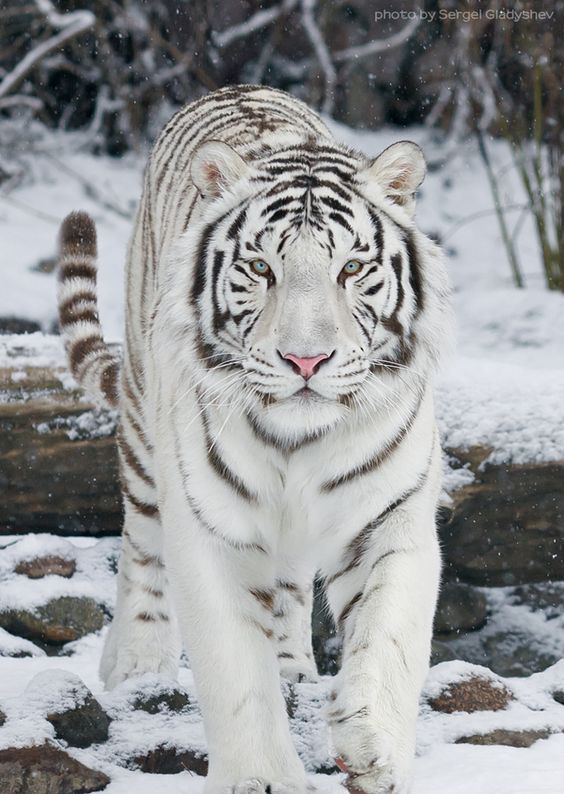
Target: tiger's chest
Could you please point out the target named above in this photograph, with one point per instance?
(296, 502)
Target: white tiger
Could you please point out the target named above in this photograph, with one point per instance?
(284, 316)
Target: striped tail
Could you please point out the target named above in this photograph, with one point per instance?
(90, 360)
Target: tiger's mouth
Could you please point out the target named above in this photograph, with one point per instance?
(308, 395)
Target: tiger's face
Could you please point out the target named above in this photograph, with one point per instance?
(307, 280)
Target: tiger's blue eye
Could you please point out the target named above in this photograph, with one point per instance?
(260, 267)
(352, 267)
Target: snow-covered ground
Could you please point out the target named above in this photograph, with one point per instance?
(501, 389)
(442, 766)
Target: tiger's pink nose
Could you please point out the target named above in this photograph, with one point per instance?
(306, 367)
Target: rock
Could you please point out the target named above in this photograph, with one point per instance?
(505, 527)
(547, 597)
(61, 620)
(18, 325)
(461, 608)
(46, 769)
(78, 718)
(476, 693)
(2, 718)
(82, 726)
(440, 652)
(503, 736)
(510, 652)
(168, 699)
(17, 647)
(558, 696)
(164, 760)
(46, 566)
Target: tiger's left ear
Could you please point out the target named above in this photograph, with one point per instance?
(399, 171)
(215, 166)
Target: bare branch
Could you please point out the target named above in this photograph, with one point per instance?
(21, 99)
(60, 21)
(322, 53)
(259, 20)
(79, 22)
(378, 45)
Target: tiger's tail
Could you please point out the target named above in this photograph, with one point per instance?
(91, 362)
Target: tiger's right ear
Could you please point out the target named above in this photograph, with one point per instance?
(215, 166)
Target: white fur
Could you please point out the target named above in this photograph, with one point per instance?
(218, 555)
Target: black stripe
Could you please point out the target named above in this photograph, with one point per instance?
(218, 464)
(378, 458)
(415, 271)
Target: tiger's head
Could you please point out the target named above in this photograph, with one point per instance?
(312, 288)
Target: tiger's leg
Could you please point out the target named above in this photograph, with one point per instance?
(224, 599)
(384, 606)
(293, 604)
(144, 635)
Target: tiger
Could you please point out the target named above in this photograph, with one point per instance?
(284, 320)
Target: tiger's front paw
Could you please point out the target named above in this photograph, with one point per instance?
(377, 755)
(376, 779)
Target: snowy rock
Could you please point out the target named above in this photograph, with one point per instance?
(460, 608)
(167, 760)
(476, 693)
(558, 696)
(516, 652)
(17, 647)
(46, 769)
(82, 726)
(59, 621)
(171, 699)
(507, 737)
(46, 566)
(68, 704)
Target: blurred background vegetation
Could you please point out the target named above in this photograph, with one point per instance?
(115, 70)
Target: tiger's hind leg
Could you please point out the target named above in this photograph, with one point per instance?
(293, 604)
(144, 637)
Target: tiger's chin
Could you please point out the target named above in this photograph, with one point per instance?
(303, 416)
